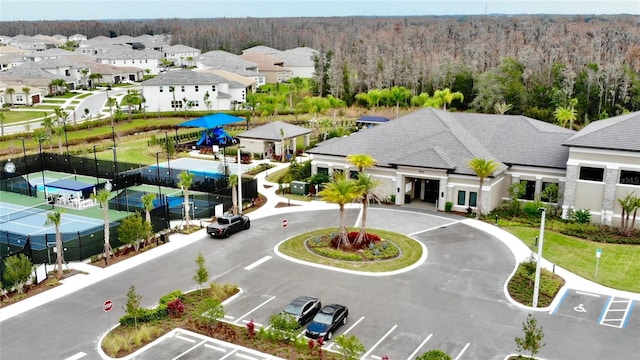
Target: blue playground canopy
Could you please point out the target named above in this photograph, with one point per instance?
(211, 121)
(214, 133)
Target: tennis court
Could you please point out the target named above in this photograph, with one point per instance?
(30, 221)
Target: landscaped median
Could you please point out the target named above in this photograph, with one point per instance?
(410, 252)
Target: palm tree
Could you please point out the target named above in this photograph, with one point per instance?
(233, 184)
(48, 125)
(1, 124)
(482, 168)
(53, 218)
(111, 102)
(502, 107)
(335, 104)
(10, 92)
(445, 96)
(26, 90)
(84, 73)
(102, 197)
(186, 180)
(372, 98)
(565, 114)
(367, 187)
(341, 190)
(397, 95)
(131, 99)
(629, 204)
(147, 204)
(94, 79)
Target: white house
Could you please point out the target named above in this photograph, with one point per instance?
(191, 90)
(147, 60)
(182, 55)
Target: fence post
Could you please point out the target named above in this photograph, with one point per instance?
(80, 246)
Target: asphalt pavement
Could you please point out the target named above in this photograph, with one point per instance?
(574, 286)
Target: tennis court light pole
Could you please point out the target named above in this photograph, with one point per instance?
(26, 167)
(95, 159)
(115, 156)
(239, 180)
(44, 187)
(158, 173)
(166, 143)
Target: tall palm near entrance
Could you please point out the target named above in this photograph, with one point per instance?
(54, 218)
(566, 115)
(26, 90)
(10, 92)
(186, 180)
(367, 187)
(483, 168)
(233, 185)
(102, 197)
(341, 190)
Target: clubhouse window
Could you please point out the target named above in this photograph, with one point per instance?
(462, 195)
(323, 170)
(591, 173)
(473, 198)
(630, 177)
(529, 189)
(161, 89)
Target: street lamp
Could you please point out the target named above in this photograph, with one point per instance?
(26, 167)
(239, 179)
(95, 160)
(44, 185)
(536, 286)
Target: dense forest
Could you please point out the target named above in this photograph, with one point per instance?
(530, 65)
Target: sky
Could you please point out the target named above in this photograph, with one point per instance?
(11, 10)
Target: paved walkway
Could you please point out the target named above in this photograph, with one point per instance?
(95, 274)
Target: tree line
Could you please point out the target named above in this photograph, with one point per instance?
(530, 64)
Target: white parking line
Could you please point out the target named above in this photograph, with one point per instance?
(213, 347)
(587, 293)
(178, 336)
(264, 259)
(617, 321)
(246, 356)
(77, 356)
(413, 355)
(254, 309)
(189, 349)
(346, 332)
(462, 352)
(233, 351)
(433, 228)
(379, 341)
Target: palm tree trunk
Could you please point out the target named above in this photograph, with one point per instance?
(107, 245)
(479, 199)
(187, 215)
(362, 234)
(342, 235)
(60, 251)
(633, 221)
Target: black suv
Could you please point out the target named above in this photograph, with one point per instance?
(228, 224)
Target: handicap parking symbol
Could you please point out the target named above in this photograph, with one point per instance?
(580, 308)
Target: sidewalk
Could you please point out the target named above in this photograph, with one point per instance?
(274, 206)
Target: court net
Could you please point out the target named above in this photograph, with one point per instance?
(32, 210)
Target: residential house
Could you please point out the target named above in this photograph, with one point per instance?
(270, 67)
(11, 56)
(298, 61)
(147, 60)
(222, 60)
(182, 55)
(190, 90)
(78, 37)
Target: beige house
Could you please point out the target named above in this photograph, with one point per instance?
(422, 157)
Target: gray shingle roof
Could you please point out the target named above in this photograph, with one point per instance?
(431, 138)
(121, 54)
(616, 133)
(271, 131)
(185, 77)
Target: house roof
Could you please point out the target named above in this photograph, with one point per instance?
(185, 77)
(616, 133)
(261, 49)
(299, 57)
(179, 48)
(265, 62)
(218, 59)
(272, 131)
(233, 78)
(431, 138)
(128, 53)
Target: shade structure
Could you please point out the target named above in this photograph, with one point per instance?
(212, 121)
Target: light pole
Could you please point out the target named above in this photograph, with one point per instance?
(536, 286)
(166, 142)
(239, 179)
(95, 160)
(158, 173)
(66, 139)
(115, 156)
(26, 167)
(44, 185)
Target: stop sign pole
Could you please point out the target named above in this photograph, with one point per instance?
(107, 306)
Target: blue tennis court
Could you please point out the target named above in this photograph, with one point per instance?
(31, 221)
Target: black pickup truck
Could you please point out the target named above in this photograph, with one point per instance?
(227, 225)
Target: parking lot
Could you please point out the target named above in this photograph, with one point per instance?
(393, 340)
(605, 310)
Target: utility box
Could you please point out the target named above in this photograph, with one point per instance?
(299, 187)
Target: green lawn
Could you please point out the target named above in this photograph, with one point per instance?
(619, 265)
(17, 116)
